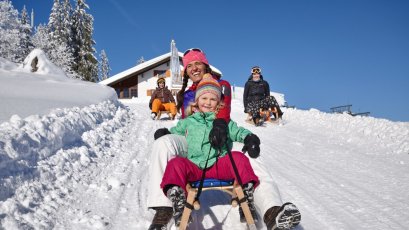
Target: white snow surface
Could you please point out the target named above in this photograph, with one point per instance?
(24, 93)
(78, 163)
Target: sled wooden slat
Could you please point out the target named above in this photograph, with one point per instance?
(164, 112)
(234, 190)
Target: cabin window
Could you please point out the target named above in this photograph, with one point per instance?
(126, 92)
(134, 92)
(118, 92)
(159, 73)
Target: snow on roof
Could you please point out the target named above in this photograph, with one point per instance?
(145, 65)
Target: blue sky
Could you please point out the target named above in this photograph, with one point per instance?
(319, 53)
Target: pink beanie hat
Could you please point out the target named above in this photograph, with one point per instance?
(194, 55)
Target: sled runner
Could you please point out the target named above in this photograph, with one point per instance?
(259, 123)
(229, 186)
(264, 121)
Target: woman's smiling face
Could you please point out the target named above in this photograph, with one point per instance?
(195, 70)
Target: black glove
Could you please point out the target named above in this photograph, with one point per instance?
(150, 105)
(160, 132)
(252, 145)
(218, 134)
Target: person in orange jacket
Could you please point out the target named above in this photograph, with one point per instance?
(162, 100)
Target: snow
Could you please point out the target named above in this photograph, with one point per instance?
(25, 93)
(73, 157)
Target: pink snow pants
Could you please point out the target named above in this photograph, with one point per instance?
(179, 171)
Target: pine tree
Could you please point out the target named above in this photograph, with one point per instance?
(104, 66)
(10, 32)
(59, 47)
(66, 20)
(54, 21)
(60, 56)
(41, 38)
(26, 44)
(60, 22)
(85, 63)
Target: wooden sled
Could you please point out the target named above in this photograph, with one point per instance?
(266, 117)
(230, 186)
(165, 112)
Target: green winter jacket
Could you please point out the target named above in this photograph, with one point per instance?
(196, 129)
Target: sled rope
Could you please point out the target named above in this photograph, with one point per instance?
(199, 190)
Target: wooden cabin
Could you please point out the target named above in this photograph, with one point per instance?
(140, 80)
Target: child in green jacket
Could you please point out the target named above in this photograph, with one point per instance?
(209, 140)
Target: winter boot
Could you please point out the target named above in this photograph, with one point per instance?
(178, 198)
(161, 218)
(282, 218)
(248, 190)
(153, 115)
(256, 121)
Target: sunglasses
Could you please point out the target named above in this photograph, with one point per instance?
(192, 49)
(255, 70)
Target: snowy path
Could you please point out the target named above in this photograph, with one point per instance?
(337, 181)
(342, 173)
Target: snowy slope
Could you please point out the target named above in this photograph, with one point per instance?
(343, 172)
(84, 166)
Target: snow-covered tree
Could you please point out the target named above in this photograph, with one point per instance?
(60, 47)
(103, 66)
(140, 61)
(57, 53)
(66, 21)
(59, 22)
(61, 56)
(26, 44)
(41, 38)
(85, 63)
(10, 32)
(54, 21)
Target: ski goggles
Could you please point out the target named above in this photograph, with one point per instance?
(192, 49)
(256, 70)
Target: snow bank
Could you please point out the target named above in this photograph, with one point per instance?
(39, 155)
(392, 136)
(24, 93)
